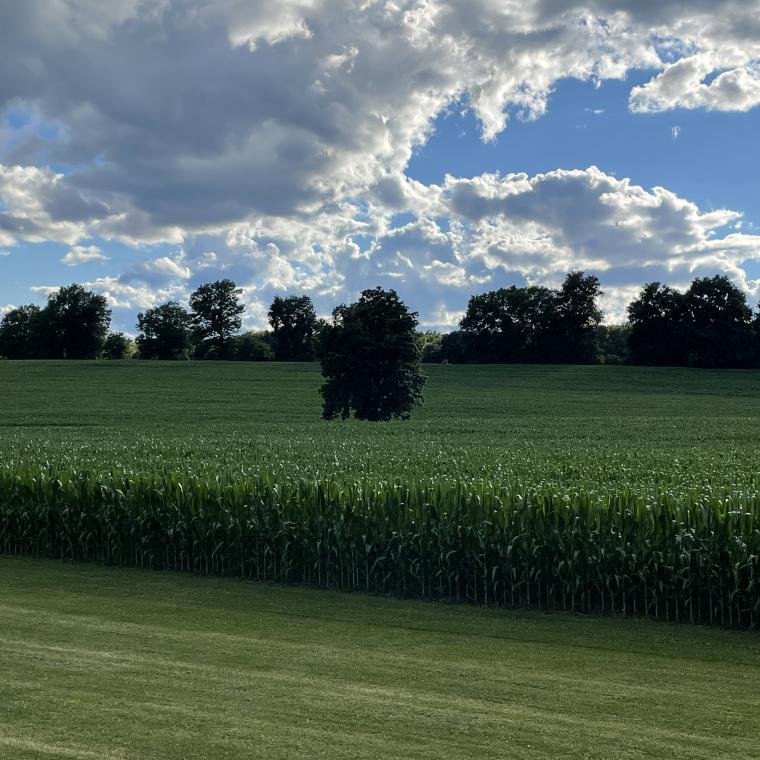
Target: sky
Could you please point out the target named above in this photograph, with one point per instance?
(439, 147)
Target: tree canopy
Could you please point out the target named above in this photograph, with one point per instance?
(216, 317)
(710, 325)
(532, 324)
(20, 333)
(370, 359)
(118, 346)
(164, 332)
(74, 324)
(294, 326)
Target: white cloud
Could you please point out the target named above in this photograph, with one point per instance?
(5, 253)
(83, 255)
(277, 156)
(135, 297)
(675, 132)
(197, 143)
(682, 85)
(36, 206)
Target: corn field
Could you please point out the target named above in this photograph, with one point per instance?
(621, 491)
(692, 558)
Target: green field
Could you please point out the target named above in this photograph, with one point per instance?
(101, 663)
(597, 427)
(620, 490)
(587, 489)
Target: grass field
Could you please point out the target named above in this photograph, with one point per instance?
(99, 663)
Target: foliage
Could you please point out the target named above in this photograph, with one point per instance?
(533, 324)
(164, 332)
(20, 333)
(658, 331)
(708, 326)
(371, 359)
(253, 347)
(575, 320)
(612, 344)
(719, 323)
(294, 328)
(511, 324)
(458, 347)
(216, 317)
(431, 346)
(118, 346)
(615, 489)
(74, 323)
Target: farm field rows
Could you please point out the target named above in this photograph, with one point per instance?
(599, 427)
(121, 664)
(597, 489)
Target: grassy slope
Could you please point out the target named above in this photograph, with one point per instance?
(105, 663)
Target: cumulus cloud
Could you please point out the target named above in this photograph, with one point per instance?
(83, 255)
(683, 85)
(298, 104)
(37, 206)
(468, 235)
(277, 156)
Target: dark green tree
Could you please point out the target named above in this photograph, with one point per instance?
(371, 359)
(719, 323)
(253, 347)
(165, 332)
(658, 333)
(612, 344)
(294, 327)
(118, 346)
(74, 324)
(431, 344)
(458, 347)
(510, 324)
(574, 321)
(216, 317)
(20, 333)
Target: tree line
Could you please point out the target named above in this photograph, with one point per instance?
(709, 325)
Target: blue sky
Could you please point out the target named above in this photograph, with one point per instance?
(442, 148)
(713, 160)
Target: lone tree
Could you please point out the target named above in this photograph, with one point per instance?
(74, 323)
(164, 332)
(370, 359)
(216, 316)
(294, 325)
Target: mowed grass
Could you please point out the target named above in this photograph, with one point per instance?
(114, 663)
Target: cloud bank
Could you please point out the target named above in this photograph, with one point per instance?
(268, 142)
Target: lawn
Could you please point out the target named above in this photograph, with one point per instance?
(107, 663)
